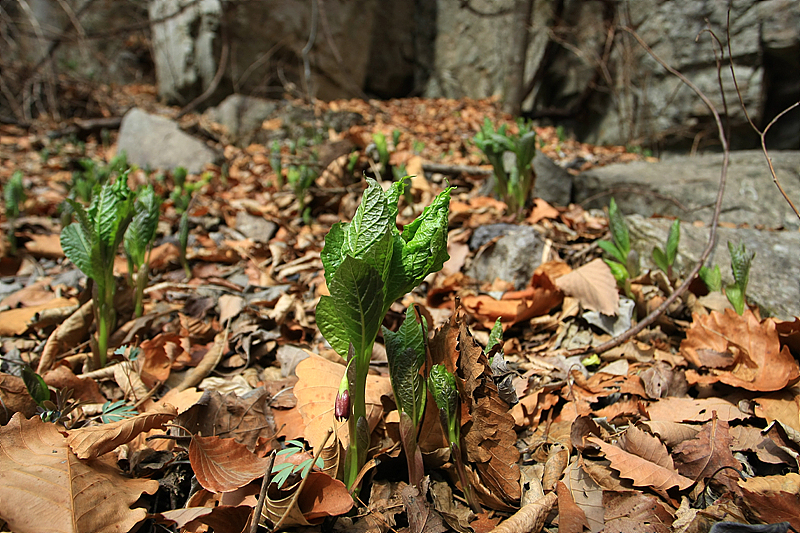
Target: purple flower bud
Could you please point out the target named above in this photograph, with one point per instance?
(341, 410)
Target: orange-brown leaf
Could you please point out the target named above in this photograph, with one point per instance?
(757, 361)
(44, 482)
(593, 285)
(223, 465)
(94, 441)
(774, 498)
(702, 456)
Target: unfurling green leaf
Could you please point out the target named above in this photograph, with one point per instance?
(442, 385)
(14, 195)
(36, 386)
(736, 297)
(142, 229)
(495, 336)
(405, 351)
(672, 242)
(711, 277)
(660, 259)
(741, 260)
(611, 249)
(619, 229)
(619, 272)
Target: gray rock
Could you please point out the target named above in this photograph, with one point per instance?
(553, 183)
(156, 142)
(775, 272)
(254, 227)
(686, 187)
(513, 257)
(242, 116)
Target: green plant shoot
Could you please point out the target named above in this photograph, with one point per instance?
(383, 150)
(138, 241)
(741, 260)
(92, 243)
(405, 351)
(14, 196)
(502, 375)
(368, 265)
(665, 259)
(442, 385)
(711, 277)
(301, 178)
(513, 185)
(624, 262)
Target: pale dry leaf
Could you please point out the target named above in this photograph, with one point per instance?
(671, 433)
(43, 482)
(642, 472)
(593, 285)
(68, 334)
(316, 390)
(647, 447)
(571, 518)
(635, 512)
(94, 441)
(587, 495)
(224, 465)
(693, 410)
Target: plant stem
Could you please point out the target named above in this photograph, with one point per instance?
(466, 486)
(357, 451)
(141, 283)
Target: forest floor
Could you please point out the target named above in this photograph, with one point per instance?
(693, 422)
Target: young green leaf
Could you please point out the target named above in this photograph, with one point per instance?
(660, 259)
(741, 260)
(354, 310)
(405, 351)
(495, 336)
(142, 229)
(619, 229)
(36, 386)
(611, 249)
(711, 277)
(116, 411)
(672, 242)
(442, 385)
(736, 297)
(619, 272)
(14, 195)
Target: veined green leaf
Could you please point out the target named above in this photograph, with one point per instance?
(672, 242)
(741, 260)
(611, 249)
(736, 297)
(112, 209)
(405, 351)
(712, 278)
(619, 229)
(495, 336)
(354, 310)
(371, 220)
(142, 229)
(332, 253)
(35, 384)
(78, 248)
(442, 385)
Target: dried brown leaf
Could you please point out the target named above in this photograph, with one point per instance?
(642, 472)
(224, 465)
(647, 447)
(774, 498)
(593, 285)
(704, 455)
(15, 398)
(587, 494)
(634, 512)
(571, 518)
(693, 410)
(43, 482)
(94, 441)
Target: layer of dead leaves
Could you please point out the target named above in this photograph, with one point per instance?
(694, 422)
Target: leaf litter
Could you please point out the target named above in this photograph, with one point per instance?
(693, 422)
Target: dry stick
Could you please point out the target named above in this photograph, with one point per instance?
(263, 494)
(761, 134)
(530, 518)
(712, 235)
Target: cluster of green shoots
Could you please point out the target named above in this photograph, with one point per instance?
(181, 196)
(513, 184)
(369, 264)
(624, 261)
(300, 177)
(117, 215)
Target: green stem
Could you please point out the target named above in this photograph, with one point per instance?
(141, 283)
(357, 451)
(466, 486)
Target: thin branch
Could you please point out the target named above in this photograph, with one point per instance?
(263, 494)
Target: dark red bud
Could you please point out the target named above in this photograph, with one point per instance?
(341, 410)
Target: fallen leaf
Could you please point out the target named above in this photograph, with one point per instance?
(93, 441)
(587, 494)
(693, 410)
(571, 518)
(224, 465)
(671, 433)
(15, 398)
(83, 389)
(704, 455)
(634, 512)
(647, 447)
(774, 498)
(750, 439)
(756, 360)
(642, 472)
(316, 390)
(15, 322)
(68, 334)
(43, 482)
(593, 285)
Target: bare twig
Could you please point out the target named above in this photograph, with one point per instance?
(263, 494)
(712, 235)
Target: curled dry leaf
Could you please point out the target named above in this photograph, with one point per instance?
(704, 455)
(641, 471)
(94, 441)
(67, 335)
(316, 390)
(44, 482)
(307, 502)
(740, 351)
(224, 465)
(593, 285)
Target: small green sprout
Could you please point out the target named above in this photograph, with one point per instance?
(301, 178)
(282, 471)
(741, 260)
(92, 244)
(14, 197)
(665, 259)
(442, 385)
(624, 262)
(116, 411)
(712, 278)
(513, 185)
(138, 241)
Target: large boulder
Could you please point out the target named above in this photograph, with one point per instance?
(686, 187)
(155, 142)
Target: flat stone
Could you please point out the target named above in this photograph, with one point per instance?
(774, 272)
(686, 187)
(155, 142)
(254, 227)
